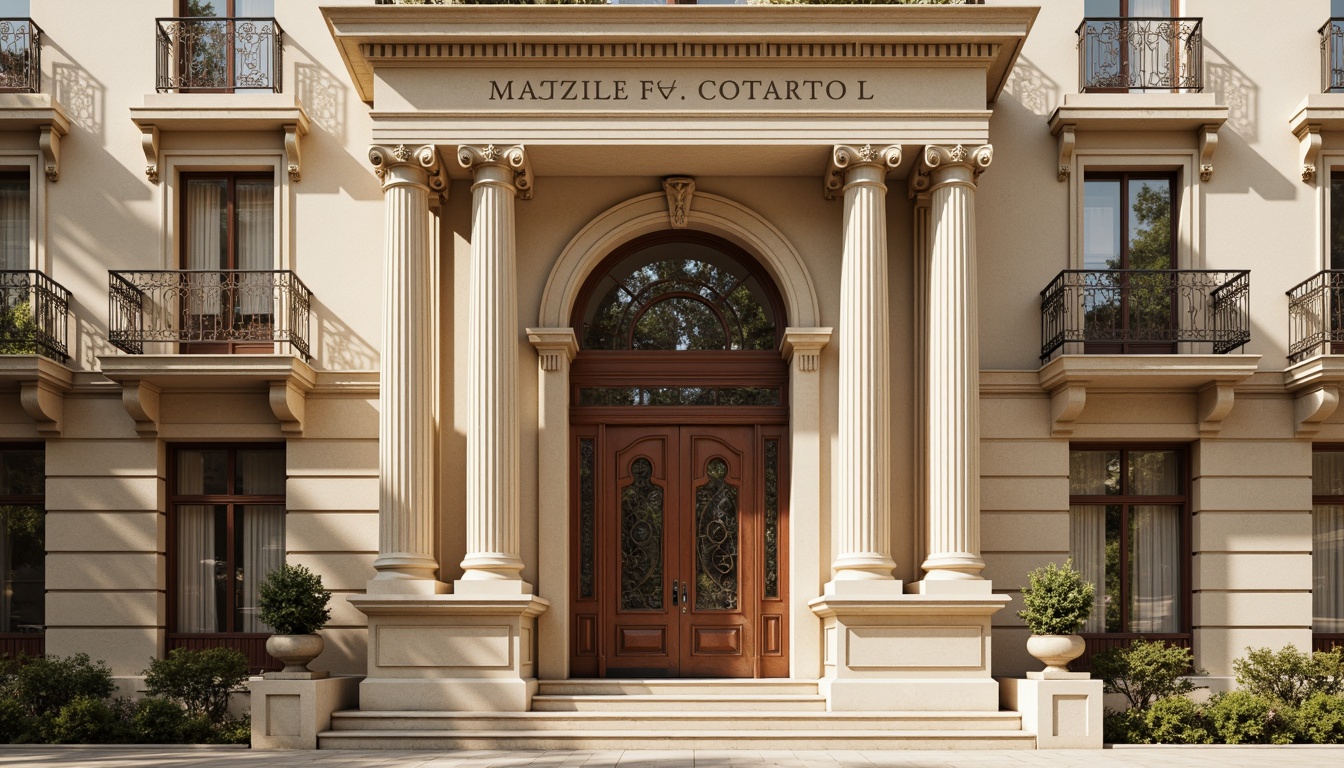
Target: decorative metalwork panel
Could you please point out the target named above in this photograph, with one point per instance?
(1161, 54)
(34, 315)
(587, 520)
(220, 54)
(1332, 55)
(1146, 305)
(20, 56)
(1316, 315)
(679, 396)
(716, 546)
(208, 305)
(771, 519)
(641, 540)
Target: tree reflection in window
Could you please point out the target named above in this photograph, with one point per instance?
(679, 296)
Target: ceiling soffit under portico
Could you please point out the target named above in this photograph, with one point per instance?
(764, 84)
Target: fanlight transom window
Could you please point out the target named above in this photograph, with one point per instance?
(684, 295)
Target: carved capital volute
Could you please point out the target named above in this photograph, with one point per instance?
(513, 159)
(406, 165)
(846, 159)
(954, 164)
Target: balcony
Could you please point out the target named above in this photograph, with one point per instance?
(1140, 54)
(202, 55)
(34, 315)
(209, 311)
(20, 56)
(1133, 310)
(1316, 316)
(1332, 56)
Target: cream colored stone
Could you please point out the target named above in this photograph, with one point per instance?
(104, 531)
(1217, 531)
(106, 493)
(105, 570)
(325, 458)
(339, 570)
(1002, 532)
(1024, 493)
(1020, 458)
(112, 458)
(1251, 609)
(1251, 492)
(337, 494)
(330, 531)
(289, 714)
(1216, 570)
(1217, 647)
(127, 651)
(1064, 714)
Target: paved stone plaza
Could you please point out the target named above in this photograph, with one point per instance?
(1195, 757)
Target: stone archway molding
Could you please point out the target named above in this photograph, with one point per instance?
(708, 213)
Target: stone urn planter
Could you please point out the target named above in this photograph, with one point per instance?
(1056, 651)
(296, 651)
(1056, 604)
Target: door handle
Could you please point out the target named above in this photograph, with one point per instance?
(674, 593)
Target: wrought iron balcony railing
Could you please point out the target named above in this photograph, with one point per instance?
(1140, 54)
(1316, 316)
(20, 56)
(224, 55)
(1332, 55)
(34, 315)
(208, 306)
(1129, 310)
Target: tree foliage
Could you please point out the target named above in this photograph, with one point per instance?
(1057, 600)
(292, 601)
(1146, 671)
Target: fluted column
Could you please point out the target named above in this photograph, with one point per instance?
(500, 174)
(405, 561)
(863, 470)
(953, 365)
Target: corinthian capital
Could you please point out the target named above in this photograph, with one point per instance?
(845, 157)
(426, 158)
(514, 158)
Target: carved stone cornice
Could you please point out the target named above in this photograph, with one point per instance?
(513, 157)
(845, 157)
(679, 190)
(426, 157)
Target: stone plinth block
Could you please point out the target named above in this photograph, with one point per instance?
(907, 652)
(453, 652)
(288, 714)
(1064, 714)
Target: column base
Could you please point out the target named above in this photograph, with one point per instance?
(454, 652)
(907, 651)
(288, 714)
(1064, 714)
(950, 587)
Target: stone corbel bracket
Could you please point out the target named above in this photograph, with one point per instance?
(262, 114)
(844, 156)
(145, 378)
(1316, 117)
(293, 150)
(1310, 138)
(555, 347)
(1315, 385)
(149, 143)
(802, 346)
(1214, 403)
(679, 190)
(1208, 142)
(49, 142)
(1066, 405)
(42, 384)
(1067, 141)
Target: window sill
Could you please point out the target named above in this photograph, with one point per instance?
(1069, 378)
(26, 111)
(221, 112)
(285, 379)
(1174, 112)
(42, 386)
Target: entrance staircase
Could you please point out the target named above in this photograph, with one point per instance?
(676, 714)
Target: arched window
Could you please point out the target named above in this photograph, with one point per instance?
(681, 292)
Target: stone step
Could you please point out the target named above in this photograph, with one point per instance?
(664, 739)
(611, 687)
(673, 702)
(699, 721)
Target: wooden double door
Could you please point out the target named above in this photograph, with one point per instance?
(682, 536)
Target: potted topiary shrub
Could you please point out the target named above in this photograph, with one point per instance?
(293, 603)
(1055, 605)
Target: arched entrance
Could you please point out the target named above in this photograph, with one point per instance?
(678, 423)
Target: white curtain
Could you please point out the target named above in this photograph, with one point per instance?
(256, 246)
(1327, 543)
(14, 240)
(197, 609)
(1087, 547)
(263, 552)
(1154, 568)
(205, 228)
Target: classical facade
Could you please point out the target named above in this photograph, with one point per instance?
(611, 363)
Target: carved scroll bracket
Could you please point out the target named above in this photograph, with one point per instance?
(149, 142)
(1067, 140)
(1208, 142)
(49, 142)
(680, 190)
(1310, 138)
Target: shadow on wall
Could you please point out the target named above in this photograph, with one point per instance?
(322, 97)
(82, 94)
(1032, 88)
(1234, 90)
(338, 347)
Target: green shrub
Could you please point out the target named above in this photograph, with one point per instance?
(201, 681)
(1127, 726)
(1290, 676)
(13, 720)
(88, 720)
(292, 601)
(1320, 720)
(42, 686)
(234, 731)
(1056, 601)
(18, 330)
(1145, 671)
(1241, 717)
(1177, 720)
(159, 721)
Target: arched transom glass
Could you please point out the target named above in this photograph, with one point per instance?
(682, 295)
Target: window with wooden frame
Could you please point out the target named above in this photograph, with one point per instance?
(1129, 534)
(228, 46)
(15, 215)
(1139, 46)
(226, 532)
(1129, 231)
(228, 252)
(23, 591)
(1327, 547)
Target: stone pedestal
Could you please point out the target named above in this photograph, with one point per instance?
(1064, 714)
(288, 714)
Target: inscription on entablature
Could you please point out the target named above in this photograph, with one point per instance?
(680, 90)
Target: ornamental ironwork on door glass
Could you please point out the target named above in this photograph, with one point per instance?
(716, 550)
(641, 540)
(587, 521)
(771, 518)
